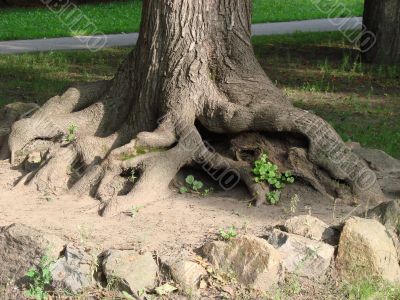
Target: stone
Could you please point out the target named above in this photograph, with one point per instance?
(386, 168)
(388, 213)
(301, 255)
(21, 248)
(74, 271)
(312, 228)
(130, 271)
(390, 183)
(379, 160)
(253, 261)
(366, 250)
(188, 274)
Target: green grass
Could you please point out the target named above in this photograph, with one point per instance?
(321, 72)
(318, 71)
(290, 10)
(371, 290)
(124, 16)
(37, 77)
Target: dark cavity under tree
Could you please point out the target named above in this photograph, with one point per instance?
(193, 67)
(382, 19)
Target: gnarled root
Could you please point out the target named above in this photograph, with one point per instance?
(325, 148)
(133, 165)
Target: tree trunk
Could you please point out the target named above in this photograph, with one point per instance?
(192, 76)
(381, 40)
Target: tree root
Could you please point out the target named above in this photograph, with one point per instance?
(325, 148)
(126, 167)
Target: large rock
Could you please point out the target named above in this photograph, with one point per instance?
(311, 227)
(390, 183)
(388, 213)
(253, 260)
(301, 255)
(187, 274)
(379, 160)
(22, 247)
(130, 271)
(387, 169)
(366, 250)
(74, 271)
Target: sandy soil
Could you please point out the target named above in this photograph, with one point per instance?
(166, 227)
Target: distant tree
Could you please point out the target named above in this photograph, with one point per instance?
(382, 19)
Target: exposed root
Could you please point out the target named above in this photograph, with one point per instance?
(53, 175)
(75, 107)
(123, 173)
(164, 136)
(156, 172)
(326, 149)
(126, 159)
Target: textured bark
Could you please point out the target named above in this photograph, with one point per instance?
(382, 18)
(194, 68)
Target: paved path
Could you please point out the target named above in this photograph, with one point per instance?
(112, 40)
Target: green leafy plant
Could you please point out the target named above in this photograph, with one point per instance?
(228, 234)
(207, 192)
(194, 186)
(266, 171)
(71, 133)
(40, 278)
(274, 197)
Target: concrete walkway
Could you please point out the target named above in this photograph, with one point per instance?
(112, 40)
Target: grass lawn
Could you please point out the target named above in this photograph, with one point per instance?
(318, 71)
(124, 16)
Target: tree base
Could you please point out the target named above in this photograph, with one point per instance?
(122, 174)
(186, 83)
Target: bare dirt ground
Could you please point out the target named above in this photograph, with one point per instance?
(167, 227)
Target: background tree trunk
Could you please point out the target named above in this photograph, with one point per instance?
(382, 18)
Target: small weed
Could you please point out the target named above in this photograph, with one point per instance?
(292, 285)
(135, 210)
(71, 133)
(228, 234)
(294, 201)
(371, 289)
(40, 278)
(345, 63)
(132, 177)
(207, 192)
(292, 208)
(325, 69)
(274, 197)
(112, 283)
(195, 186)
(266, 171)
(183, 190)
